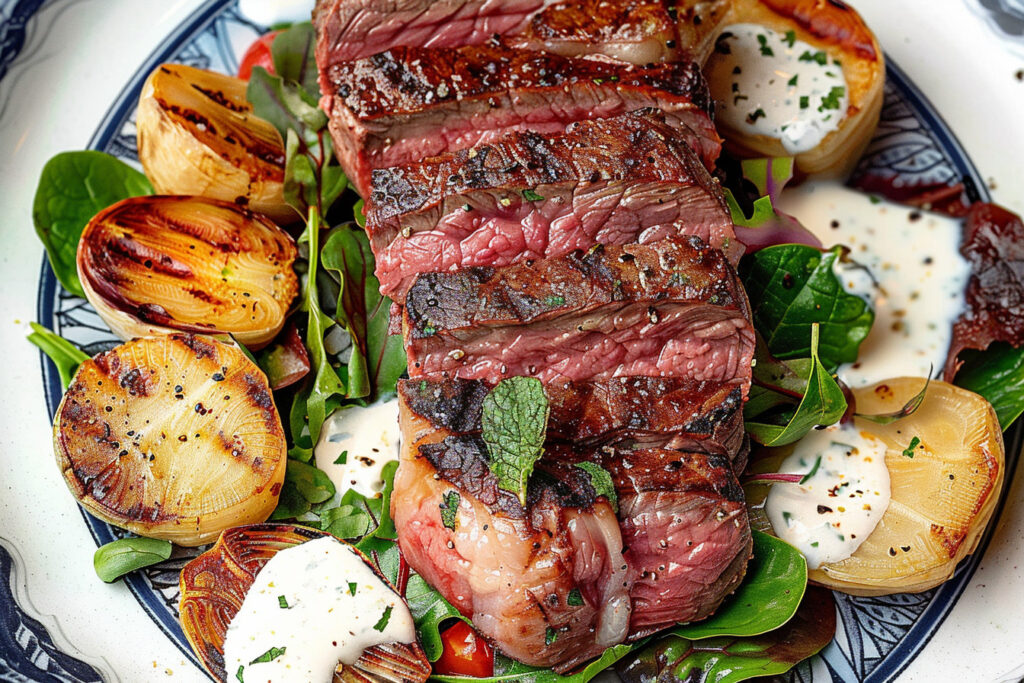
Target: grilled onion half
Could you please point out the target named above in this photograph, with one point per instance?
(197, 135)
(173, 437)
(157, 264)
(213, 587)
(945, 466)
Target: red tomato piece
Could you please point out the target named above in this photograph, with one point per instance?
(465, 653)
(258, 54)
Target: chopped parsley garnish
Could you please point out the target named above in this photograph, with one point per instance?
(341, 459)
(352, 586)
(909, 450)
(550, 635)
(753, 116)
(814, 544)
(531, 196)
(382, 623)
(238, 674)
(269, 656)
(807, 477)
(820, 57)
(787, 517)
(283, 602)
(789, 38)
(762, 40)
(805, 101)
(831, 100)
(793, 80)
(449, 508)
(575, 598)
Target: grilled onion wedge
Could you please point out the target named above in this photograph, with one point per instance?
(836, 29)
(173, 437)
(942, 498)
(158, 264)
(213, 587)
(197, 135)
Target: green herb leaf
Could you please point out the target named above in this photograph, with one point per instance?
(449, 509)
(341, 459)
(728, 659)
(74, 187)
(65, 355)
(352, 587)
(814, 470)
(238, 674)
(550, 635)
(789, 38)
(532, 196)
(997, 374)
(282, 602)
(805, 101)
(575, 598)
(910, 449)
(601, 480)
(762, 41)
(791, 288)
(831, 100)
(346, 521)
(909, 408)
(382, 623)
(515, 422)
(117, 558)
(823, 403)
(310, 482)
(793, 80)
(768, 597)
(269, 656)
(509, 671)
(820, 57)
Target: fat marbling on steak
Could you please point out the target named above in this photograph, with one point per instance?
(407, 104)
(673, 308)
(630, 178)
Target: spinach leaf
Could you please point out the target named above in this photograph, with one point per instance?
(515, 421)
(304, 485)
(117, 558)
(997, 374)
(793, 286)
(65, 355)
(823, 403)
(729, 659)
(768, 597)
(378, 358)
(74, 187)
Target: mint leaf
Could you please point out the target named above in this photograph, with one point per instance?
(601, 481)
(74, 187)
(65, 355)
(515, 422)
(117, 558)
(269, 656)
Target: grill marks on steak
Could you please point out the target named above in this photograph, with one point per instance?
(681, 521)
(645, 412)
(631, 178)
(408, 104)
(670, 309)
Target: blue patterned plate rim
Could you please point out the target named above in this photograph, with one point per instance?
(894, 662)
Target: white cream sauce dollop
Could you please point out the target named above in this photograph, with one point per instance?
(837, 507)
(311, 606)
(907, 265)
(770, 83)
(356, 443)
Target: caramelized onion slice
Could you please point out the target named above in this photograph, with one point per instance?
(155, 264)
(213, 587)
(197, 135)
(174, 437)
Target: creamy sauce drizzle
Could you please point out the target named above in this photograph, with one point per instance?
(829, 515)
(915, 276)
(336, 608)
(770, 83)
(356, 443)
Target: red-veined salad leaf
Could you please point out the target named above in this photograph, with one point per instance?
(729, 659)
(792, 287)
(767, 226)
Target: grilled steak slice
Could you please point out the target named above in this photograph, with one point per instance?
(642, 412)
(407, 104)
(668, 309)
(630, 178)
(559, 565)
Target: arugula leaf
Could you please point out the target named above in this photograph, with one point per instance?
(768, 597)
(378, 358)
(117, 558)
(601, 480)
(792, 287)
(997, 374)
(65, 355)
(823, 403)
(515, 421)
(728, 659)
(74, 187)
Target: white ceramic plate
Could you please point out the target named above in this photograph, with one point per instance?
(69, 75)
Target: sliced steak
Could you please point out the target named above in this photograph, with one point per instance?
(408, 104)
(642, 412)
(668, 309)
(630, 178)
(554, 583)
